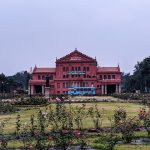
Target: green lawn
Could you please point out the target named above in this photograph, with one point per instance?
(107, 109)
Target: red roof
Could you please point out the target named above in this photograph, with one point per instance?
(44, 70)
(76, 52)
(108, 69)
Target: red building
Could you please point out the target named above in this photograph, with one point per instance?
(76, 70)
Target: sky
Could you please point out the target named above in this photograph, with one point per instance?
(37, 31)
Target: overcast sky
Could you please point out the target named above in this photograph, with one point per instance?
(37, 31)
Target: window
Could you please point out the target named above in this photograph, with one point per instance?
(51, 77)
(65, 68)
(51, 86)
(43, 77)
(39, 77)
(84, 76)
(84, 69)
(78, 68)
(113, 77)
(88, 76)
(109, 76)
(86, 84)
(67, 76)
(58, 92)
(64, 76)
(58, 85)
(105, 77)
(88, 68)
(67, 85)
(63, 85)
(101, 77)
(72, 68)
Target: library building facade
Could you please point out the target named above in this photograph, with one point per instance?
(75, 70)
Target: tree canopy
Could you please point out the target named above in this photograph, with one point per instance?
(140, 80)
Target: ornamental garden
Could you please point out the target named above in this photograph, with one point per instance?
(85, 122)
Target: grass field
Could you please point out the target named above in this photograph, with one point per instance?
(107, 109)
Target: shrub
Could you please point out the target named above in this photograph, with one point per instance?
(120, 115)
(96, 116)
(32, 101)
(6, 107)
(145, 117)
(124, 125)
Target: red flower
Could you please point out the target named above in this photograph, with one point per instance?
(30, 146)
(63, 131)
(50, 138)
(77, 135)
(75, 131)
(70, 142)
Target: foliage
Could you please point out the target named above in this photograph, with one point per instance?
(96, 116)
(125, 125)
(18, 125)
(34, 100)
(140, 80)
(79, 115)
(106, 141)
(6, 108)
(17, 82)
(120, 115)
(145, 117)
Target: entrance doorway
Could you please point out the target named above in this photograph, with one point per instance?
(111, 88)
(38, 89)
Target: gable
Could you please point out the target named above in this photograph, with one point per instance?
(76, 56)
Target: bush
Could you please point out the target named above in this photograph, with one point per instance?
(124, 125)
(32, 101)
(6, 108)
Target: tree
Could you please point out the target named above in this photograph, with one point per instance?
(142, 75)
(140, 80)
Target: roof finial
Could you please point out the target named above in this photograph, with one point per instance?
(118, 67)
(75, 48)
(35, 66)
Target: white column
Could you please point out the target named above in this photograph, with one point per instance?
(102, 89)
(29, 90)
(43, 89)
(32, 90)
(116, 88)
(106, 89)
(119, 88)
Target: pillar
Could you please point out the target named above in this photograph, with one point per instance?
(116, 88)
(29, 89)
(32, 90)
(106, 89)
(102, 89)
(43, 89)
(119, 88)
